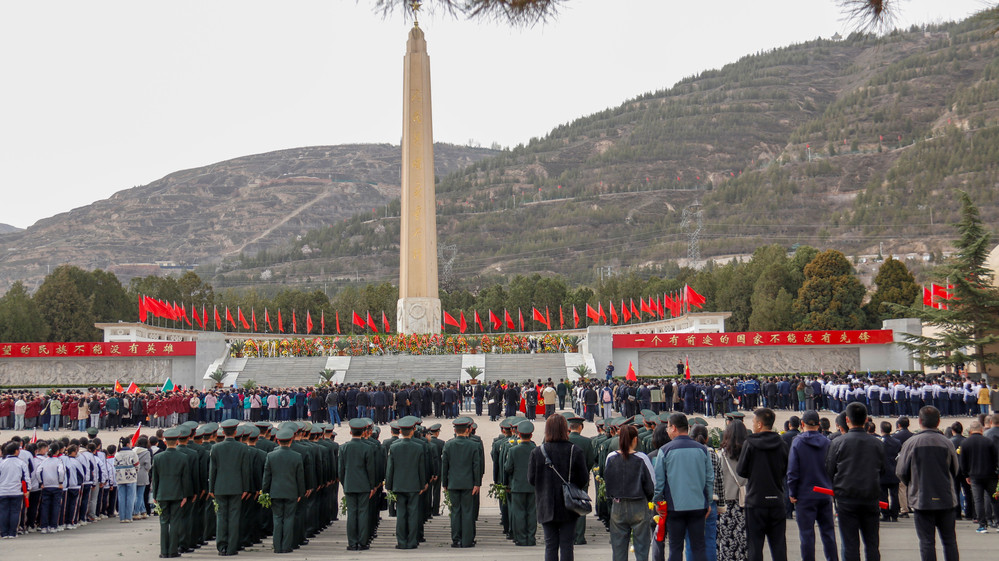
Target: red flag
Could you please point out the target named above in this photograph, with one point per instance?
(132, 388)
(197, 320)
(218, 320)
(359, 321)
(462, 326)
(178, 313)
(322, 322)
(613, 312)
(659, 307)
(548, 316)
(118, 388)
(183, 312)
(540, 318)
(135, 437)
(497, 324)
(561, 318)
(308, 321)
(509, 320)
(634, 310)
(928, 297)
(693, 298)
(228, 318)
(686, 370)
(204, 317)
(449, 320)
(670, 304)
(280, 323)
(631, 373)
(625, 314)
(242, 319)
(142, 309)
(371, 323)
(520, 314)
(478, 321)
(253, 313)
(575, 316)
(294, 322)
(940, 296)
(267, 320)
(592, 314)
(385, 323)
(338, 322)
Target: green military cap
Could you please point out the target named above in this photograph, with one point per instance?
(190, 424)
(252, 431)
(240, 431)
(358, 423)
(567, 414)
(288, 425)
(184, 431)
(735, 415)
(638, 419)
(664, 417)
(229, 423)
(172, 433)
(285, 434)
(92, 432)
(462, 422)
(698, 421)
(219, 433)
(505, 423)
(307, 426)
(573, 418)
(316, 429)
(199, 432)
(474, 426)
(394, 425)
(600, 422)
(406, 422)
(327, 427)
(211, 427)
(618, 422)
(367, 422)
(648, 413)
(263, 426)
(419, 421)
(525, 427)
(436, 427)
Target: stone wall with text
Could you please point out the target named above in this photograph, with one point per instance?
(747, 360)
(86, 371)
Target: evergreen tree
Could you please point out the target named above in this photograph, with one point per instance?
(831, 296)
(896, 285)
(969, 327)
(20, 320)
(66, 311)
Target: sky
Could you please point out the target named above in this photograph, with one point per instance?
(101, 96)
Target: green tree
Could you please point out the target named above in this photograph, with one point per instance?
(831, 296)
(969, 326)
(896, 285)
(20, 320)
(64, 308)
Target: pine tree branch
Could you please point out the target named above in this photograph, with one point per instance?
(514, 12)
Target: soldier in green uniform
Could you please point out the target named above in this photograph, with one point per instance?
(357, 471)
(586, 445)
(499, 472)
(482, 462)
(322, 466)
(171, 488)
(327, 450)
(284, 481)
(197, 443)
(378, 500)
(435, 480)
(459, 466)
(251, 523)
(189, 535)
(406, 476)
(523, 512)
(228, 484)
(335, 482)
(386, 446)
(208, 431)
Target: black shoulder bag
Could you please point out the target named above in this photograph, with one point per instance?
(576, 499)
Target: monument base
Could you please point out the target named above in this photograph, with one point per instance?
(418, 315)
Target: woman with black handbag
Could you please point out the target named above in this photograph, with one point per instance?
(564, 462)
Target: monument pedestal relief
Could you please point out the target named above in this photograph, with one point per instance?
(419, 309)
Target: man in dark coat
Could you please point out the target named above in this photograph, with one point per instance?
(889, 481)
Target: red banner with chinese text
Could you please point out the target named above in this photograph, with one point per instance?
(98, 350)
(753, 339)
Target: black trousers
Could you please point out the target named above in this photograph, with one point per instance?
(766, 523)
(858, 522)
(559, 537)
(928, 523)
(889, 494)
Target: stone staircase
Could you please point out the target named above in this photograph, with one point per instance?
(404, 368)
(299, 372)
(519, 368)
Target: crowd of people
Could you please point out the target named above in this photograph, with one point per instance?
(235, 465)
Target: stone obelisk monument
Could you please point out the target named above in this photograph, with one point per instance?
(419, 309)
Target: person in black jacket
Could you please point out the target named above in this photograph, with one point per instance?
(855, 464)
(558, 523)
(763, 463)
(889, 481)
(979, 459)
